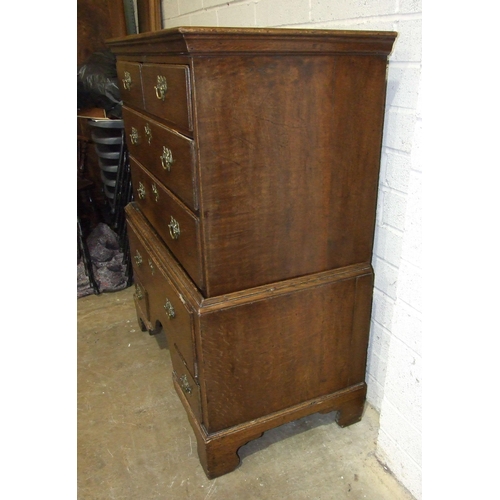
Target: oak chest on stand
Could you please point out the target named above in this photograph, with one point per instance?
(255, 159)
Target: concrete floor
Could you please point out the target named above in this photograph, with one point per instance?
(135, 442)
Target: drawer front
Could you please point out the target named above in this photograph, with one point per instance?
(144, 268)
(178, 324)
(129, 79)
(168, 155)
(167, 93)
(144, 281)
(175, 223)
(186, 383)
(141, 300)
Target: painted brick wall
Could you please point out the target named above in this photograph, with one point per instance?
(394, 359)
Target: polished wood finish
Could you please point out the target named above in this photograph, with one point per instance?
(289, 164)
(264, 288)
(301, 339)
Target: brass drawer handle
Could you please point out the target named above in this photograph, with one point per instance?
(138, 258)
(141, 191)
(147, 131)
(174, 228)
(185, 384)
(138, 292)
(167, 158)
(151, 266)
(161, 87)
(169, 308)
(155, 192)
(134, 136)
(127, 81)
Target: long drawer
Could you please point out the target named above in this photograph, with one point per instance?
(178, 227)
(169, 155)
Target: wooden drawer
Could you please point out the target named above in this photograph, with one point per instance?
(144, 282)
(141, 299)
(178, 227)
(186, 384)
(167, 93)
(142, 263)
(168, 154)
(179, 327)
(129, 77)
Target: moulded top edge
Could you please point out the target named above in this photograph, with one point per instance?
(204, 40)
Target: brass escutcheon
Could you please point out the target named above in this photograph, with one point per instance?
(155, 192)
(141, 191)
(167, 158)
(127, 80)
(151, 266)
(134, 136)
(147, 131)
(169, 308)
(161, 87)
(174, 228)
(138, 258)
(185, 384)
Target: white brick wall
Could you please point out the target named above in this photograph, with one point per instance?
(322, 10)
(394, 359)
(281, 12)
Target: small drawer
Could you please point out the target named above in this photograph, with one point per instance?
(178, 227)
(141, 300)
(143, 282)
(167, 93)
(186, 384)
(142, 263)
(168, 155)
(129, 80)
(177, 323)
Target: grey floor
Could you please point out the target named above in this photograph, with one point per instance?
(135, 442)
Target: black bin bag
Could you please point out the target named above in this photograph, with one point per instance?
(98, 84)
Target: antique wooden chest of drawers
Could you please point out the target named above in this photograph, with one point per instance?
(255, 160)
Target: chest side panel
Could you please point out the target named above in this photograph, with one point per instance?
(289, 150)
(266, 355)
